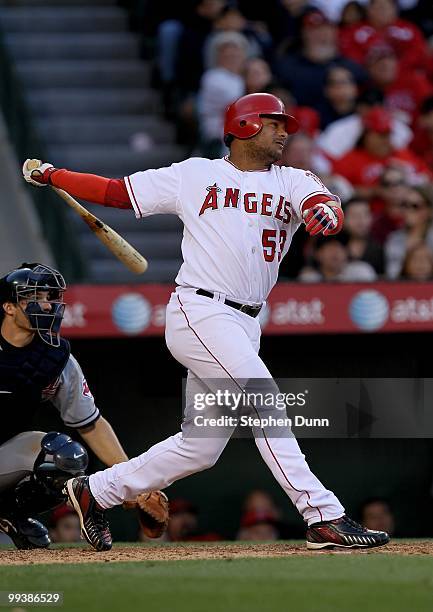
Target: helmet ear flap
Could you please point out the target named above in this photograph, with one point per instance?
(244, 127)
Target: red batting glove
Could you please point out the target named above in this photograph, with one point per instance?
(44, 178)
(323, 219)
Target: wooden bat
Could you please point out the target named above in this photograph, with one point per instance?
(132, 259)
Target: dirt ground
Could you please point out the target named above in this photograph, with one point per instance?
(177, 552)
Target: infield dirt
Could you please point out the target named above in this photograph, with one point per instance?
(178, 552)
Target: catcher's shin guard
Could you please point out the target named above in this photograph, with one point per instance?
(26, 533)
(60, 458)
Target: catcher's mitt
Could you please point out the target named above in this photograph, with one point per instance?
(152, 509)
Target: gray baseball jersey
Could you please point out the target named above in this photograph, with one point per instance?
(71, 395)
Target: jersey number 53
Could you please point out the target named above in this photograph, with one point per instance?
(271, 240)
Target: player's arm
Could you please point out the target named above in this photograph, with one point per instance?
(313, 203)
(325, 217)
(78, 410)
(89, 187)
(148, 193)
(103, 441)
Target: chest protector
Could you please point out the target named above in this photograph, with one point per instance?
(27, 375)
(26, 372)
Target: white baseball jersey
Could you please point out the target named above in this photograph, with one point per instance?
(238, 225)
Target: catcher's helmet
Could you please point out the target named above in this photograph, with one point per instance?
(27, 283)
(243, 117)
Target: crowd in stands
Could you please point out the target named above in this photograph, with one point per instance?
(358, 76)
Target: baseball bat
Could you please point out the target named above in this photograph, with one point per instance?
(130, 257)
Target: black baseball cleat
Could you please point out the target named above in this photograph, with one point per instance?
(343, 533)
(25, 533)
(94, 525)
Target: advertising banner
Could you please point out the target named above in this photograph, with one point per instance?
(139, 310)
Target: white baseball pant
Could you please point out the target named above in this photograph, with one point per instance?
(214, 341)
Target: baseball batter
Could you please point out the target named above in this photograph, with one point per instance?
(239, 214)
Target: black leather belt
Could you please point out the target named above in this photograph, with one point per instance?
(252, 311)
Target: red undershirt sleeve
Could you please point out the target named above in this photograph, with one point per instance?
(93, 188)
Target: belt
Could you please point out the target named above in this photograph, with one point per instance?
(252, 311)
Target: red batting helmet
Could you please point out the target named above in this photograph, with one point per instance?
(243, 117)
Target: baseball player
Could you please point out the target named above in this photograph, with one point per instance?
(239, 215)
(36, 367)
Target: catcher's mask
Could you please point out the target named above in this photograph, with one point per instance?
(42, 289)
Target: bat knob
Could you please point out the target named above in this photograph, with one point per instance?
(33, 164)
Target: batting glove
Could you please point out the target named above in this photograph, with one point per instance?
(40, 176)
(323, 219)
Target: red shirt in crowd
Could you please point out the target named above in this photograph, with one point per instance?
(404, 37)
(422, 145)
(408, 92)
(364, 169)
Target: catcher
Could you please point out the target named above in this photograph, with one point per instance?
(36, 368)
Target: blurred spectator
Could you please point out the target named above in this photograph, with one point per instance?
(332, 264)
(285, 23)
(259, 504)
(300, 152)
(418, 264)
(404, 90)
(417, 219)
(341, 136)
(258, 75)
(180, 46)
(384, 26)
(422, 143)
(308, 118)
(340, 92)
(64, 525)
(376, 514)
(360, 246)
(260, 501)
(335, 9)
(258, 526)
(232, 20)
(391, 191)
(220, 85)
(364, 165)
(183, 524)
(303, 73)
(352, 14)
(183, 521)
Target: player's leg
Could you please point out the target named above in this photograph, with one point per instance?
(17, 458)
(324, 514)
(172, 459)
(199, 348)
